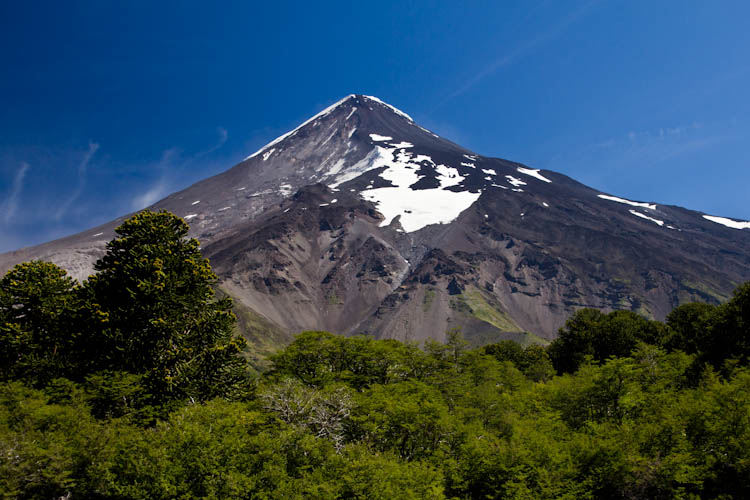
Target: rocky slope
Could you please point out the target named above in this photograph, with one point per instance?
(361, 221)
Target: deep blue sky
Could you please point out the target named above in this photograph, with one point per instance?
(107, 106)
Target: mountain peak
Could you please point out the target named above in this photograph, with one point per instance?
(352, 100)
(398, 232)
(309, 120)
(381, 102)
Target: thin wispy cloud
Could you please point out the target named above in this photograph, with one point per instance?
(651, 147)
(661, 134)
(644, 142)
(627, 164)
(521, 49)
(223, 136)
(159, 188)
(82, 166)
(9, 206)
(154, 193)
(172, 160)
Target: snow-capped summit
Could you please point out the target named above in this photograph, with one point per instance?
(359, 220)
(361, 144)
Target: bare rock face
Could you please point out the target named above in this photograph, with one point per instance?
(317, 260)
(361, 221)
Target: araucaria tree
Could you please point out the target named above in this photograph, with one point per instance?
(153, 311)
(36, 340)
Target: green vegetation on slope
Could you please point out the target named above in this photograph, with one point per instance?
(706, 290)
(475, 303)
(482, 310)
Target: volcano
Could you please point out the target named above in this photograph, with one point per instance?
(360, 221)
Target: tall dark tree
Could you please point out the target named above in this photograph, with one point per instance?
(729, 332)
(590, 332)
(576, 340)
(536, 363)
(690, 327)
(154, 311)
(505, 350)
(533, 360)
(36, 338)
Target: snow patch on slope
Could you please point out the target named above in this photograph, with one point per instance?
(429, 132)
(448, 176)
(514, 181)
(379, 138)
(650, 206)
(416, 208)
(336, 168)
(420, 208)
(533, 172)
(644, 216)
(357, 169)
(395, 110)
(734, 224)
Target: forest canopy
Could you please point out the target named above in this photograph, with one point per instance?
(133, 385)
